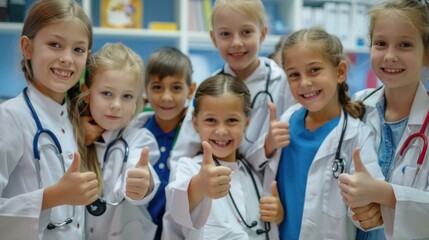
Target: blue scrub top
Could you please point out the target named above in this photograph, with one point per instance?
(295, 162)
(165, 142)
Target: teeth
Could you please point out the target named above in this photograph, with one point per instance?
(62, 73)
(222, 143)
(311, 94)
(392, 70)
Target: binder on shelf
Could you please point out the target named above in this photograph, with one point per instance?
(344, 13)
(164, 26)
(121, 13)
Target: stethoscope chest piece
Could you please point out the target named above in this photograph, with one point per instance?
(338, 167)
(97, 208)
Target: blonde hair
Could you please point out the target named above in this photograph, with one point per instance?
(413, 11)
(111, 56)
(45, 12)
(331, 48)
(252, 8)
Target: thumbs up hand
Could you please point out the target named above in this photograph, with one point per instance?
(278, 135)
(270, 207)
(369, 216)
(76, 188)
(357, 189)
(139, 180)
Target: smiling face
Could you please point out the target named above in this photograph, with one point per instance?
(58, 55)
(167, 97)
(221, 122)
(397, 53)
(313, 79)
(238, 38)
(113, 98)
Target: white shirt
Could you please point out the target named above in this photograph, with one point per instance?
(21, 216)
(130, 219)
(410, 218)
(217, 218)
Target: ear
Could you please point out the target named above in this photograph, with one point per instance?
(194, 122)
(342, 71)
(191, 90)
(26, 47)
(83, 89)
(264, 32)
(246, 123)
(212, 36)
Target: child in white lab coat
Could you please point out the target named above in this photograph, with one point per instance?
(216, 195)
(41, 184)
(399, 33)
(238, 30)
(316, 139)
(111, 96)
(169, 86)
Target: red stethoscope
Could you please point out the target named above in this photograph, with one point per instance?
(422, 150)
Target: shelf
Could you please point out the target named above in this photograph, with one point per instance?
(136, 33)
(11, 27)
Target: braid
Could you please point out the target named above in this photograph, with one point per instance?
(355, 109)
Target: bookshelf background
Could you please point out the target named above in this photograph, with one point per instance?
(191, 36)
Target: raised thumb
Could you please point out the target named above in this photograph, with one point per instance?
(144, 158)
(208, 157)
(274, 190)
(75, 165)
(273, 112)
(359, 166)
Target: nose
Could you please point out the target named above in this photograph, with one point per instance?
(66, 57)
(221, 130)
(115, 104)
(237, 41)
(167, 96)
(391, 56)
(306, 82)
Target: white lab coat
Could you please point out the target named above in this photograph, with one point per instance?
(325, 213)
(214, 218)
(410, 218)
(21, 216)
(188, 143)
(131, 219)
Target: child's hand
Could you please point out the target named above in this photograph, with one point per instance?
(278, 135)
(76, 188)
(139, 180)
(92, 130)
(369, 216)
(270, 207)
(357, 189)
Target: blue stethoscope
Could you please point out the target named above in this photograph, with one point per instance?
(259, 94)
(98, 207)
(36, 154)
(267, 225)
(339, 165)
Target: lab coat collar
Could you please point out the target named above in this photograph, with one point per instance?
(109, 136)
(47, 105)
(141, 119)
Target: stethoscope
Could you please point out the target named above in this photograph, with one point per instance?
(98, 207)
(267, 225)
(36, 154)
(339, 165)
(261, 93)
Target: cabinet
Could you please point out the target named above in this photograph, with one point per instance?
(283, 16)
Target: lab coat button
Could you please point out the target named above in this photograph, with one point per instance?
(62, 113)
(161, 166)
(91, 230)
(70, 155)
(78, 225)
(62, 130)
(162, 149)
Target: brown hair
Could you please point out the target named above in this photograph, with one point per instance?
(332, 49)
(221, 84)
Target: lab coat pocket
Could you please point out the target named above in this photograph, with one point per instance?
(333, 204)
(407, 177)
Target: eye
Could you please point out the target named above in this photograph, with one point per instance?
(405, 45)
(248, 32)
(156, 88)
(54, 45)
(106, 93)
(80, 50)
(210, 120)
(224, 34)
(233, 120)
(293, 75)
(379, 43)
(128, 96)
(314, 70)
(177, 88)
